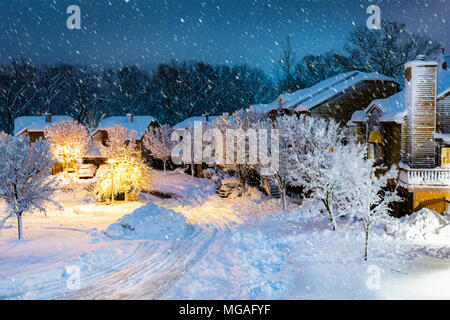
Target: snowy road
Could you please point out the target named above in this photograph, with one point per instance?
(148, 272)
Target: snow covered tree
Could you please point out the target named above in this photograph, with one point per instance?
(25, 171)
(312, 145)
(68, 141)
(158, 142)
(284, 150)
(366, 196)
(121, 143)
(128, 174)
(240, 142)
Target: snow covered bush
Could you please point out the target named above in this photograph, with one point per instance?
(158, 142)
(25, 182)
(366, 195)
(127, 174)
(68, 141)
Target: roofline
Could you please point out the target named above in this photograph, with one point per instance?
(26, 128)
(21, 131)
(442, 94)
(421, 63)
(337, 93)
(374, 104)
(103, 129)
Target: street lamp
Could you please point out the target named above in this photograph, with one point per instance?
(112, 162)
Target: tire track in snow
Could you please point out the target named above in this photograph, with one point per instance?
(58, 288)
(149, 272)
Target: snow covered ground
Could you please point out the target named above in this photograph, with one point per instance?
(197, 245)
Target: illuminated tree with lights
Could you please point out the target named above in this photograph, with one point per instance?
(127, 173)
(68, 141)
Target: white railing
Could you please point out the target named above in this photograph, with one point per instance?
(425, 177)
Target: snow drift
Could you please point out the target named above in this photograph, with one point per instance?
(149, 222)
(425, 225)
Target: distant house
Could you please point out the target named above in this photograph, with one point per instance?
(34, 126)
(190, 122)
(337, 97)
(411, 129)
(205, 120)
(99, 137)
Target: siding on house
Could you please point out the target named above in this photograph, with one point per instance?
(420, 93)
(443, 114)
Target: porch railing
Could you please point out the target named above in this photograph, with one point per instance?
(425, 177)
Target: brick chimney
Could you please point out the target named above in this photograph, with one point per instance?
(206, 116)
(130, 117)
(420, 101)
(48, 117)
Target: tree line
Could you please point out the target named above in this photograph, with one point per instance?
(174, 92)
(383, 51)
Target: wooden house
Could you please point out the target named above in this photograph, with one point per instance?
(337, 97)
(99, 137)
(34, 126)
(412, 130)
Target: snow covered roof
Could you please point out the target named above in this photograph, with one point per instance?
(394, 108)
(443, 83)
(446, 58)
(359, 116)
(266, 108)
(307, 99)
(442, 136)
(190, 122)
(139, 124)
(94, 151)
(36, 123)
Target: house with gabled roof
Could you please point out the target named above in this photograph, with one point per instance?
(190, 122)
(411, 129)
(337, 97)
(99, 137)
(34, 126)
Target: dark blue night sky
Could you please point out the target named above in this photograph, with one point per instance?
(147, 32)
